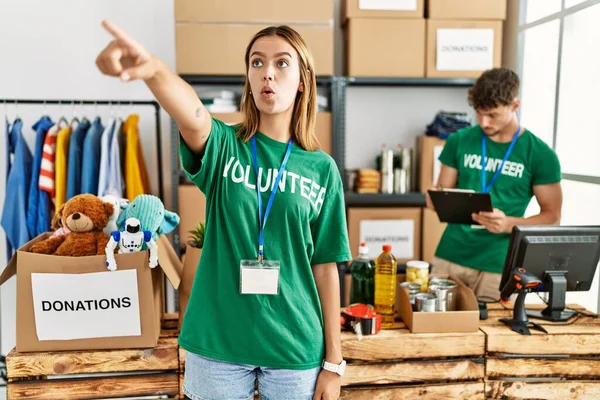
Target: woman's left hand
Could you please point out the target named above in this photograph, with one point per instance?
(328, 386)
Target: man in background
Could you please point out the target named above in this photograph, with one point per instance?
(500, 157)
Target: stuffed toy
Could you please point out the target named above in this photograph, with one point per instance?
(130, 240)
(118, 204)
(84, 216)
(151, 213)
(57, 225)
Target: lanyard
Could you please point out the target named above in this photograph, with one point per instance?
(263, 221)
(486, 188)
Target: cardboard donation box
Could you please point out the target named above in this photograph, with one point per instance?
(432, 230)
(75, 303)
(467, 9)
(462, 49)
(383, 9)
(429, 149)
(399, 227)
(401, 40)
(464, 319)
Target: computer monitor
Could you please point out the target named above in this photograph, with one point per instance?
(564, 258)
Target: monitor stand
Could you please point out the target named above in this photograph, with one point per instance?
(555, 282)
(519, 322)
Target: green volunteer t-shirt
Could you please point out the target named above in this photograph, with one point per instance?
(531, 162)
(306, 226)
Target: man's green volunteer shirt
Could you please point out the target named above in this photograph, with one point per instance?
(531, 162)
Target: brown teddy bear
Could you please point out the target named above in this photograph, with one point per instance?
(84, 216)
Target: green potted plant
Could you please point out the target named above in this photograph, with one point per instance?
(193, 251)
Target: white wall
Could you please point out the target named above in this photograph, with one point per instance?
(51, 54)
(393, 116)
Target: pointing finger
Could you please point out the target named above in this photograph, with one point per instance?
(122, 36)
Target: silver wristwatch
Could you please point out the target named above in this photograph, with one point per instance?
(335, 368)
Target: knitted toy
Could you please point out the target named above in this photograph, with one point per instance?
(85, 216)
(151, 213)
(117, 203)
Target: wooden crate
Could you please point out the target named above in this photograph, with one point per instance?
(398, 364)
(79, 375)
(564, 364)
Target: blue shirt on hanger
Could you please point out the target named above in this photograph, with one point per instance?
(74, 162)
(38, 208)
(14, 213)
(104, 158)
(92, 148)
(8, 164)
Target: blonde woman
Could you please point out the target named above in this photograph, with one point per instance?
(264, 308)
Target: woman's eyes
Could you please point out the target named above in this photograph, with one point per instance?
(281, 63)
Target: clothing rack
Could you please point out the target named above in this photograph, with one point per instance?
(74, 102)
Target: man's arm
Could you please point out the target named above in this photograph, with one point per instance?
(549, 197)
(447, 180)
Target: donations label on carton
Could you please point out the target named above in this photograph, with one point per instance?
(389, 5)
(399, 233)
(85, 306)
(465, 49)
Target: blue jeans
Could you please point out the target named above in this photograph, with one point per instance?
(207, 379)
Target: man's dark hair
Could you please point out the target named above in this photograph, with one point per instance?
(495, 87)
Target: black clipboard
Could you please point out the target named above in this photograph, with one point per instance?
(456, 206)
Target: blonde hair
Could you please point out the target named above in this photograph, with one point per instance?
(305, 105)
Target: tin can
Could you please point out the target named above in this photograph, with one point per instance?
(447, 289)
(426, 302)
(413, 290)
(387, 183)
(407, 164)
(387, 161)
(443, 295)
(400, 181)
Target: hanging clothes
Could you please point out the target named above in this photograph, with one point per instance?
(38, 208)
(104, 157)
(115, 174)
(75, 160)
(136, 176)
(47, 182)
(7, 165)
(91, 162)
(14, 213)
(60, 165)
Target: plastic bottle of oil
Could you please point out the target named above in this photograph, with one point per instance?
(385, 286)
(362, 288)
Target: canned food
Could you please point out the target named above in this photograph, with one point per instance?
(426, 302)
(418, 272)
(413, 289)
(442, 295)
(446, 291)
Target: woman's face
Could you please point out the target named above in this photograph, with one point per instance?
(274, 74)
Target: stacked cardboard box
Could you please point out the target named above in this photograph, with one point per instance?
(212, 35)
(464, 37)
(399, 227)
(385, 38)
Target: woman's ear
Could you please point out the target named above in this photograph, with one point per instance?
(301, 87)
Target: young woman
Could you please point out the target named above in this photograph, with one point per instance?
(264, 308)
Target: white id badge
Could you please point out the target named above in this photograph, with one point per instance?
(259, 277)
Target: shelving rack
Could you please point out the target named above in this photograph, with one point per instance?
(338, 86)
